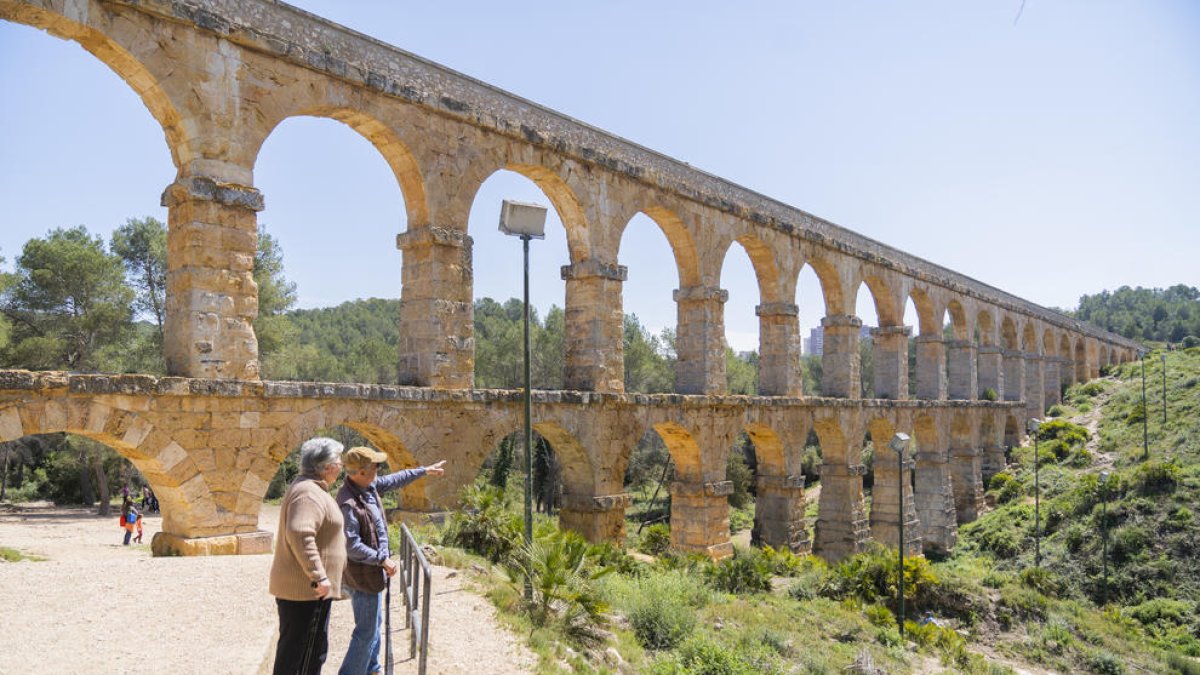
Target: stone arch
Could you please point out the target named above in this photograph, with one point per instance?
(1012, 430)
(987, 328)
(565, 202)
(386, 142)
(766, 270)
(768, 450)
(684, 450)
(189, 506)
(1064, 346)
(679, 237)
(925, 433)
(928, 320)
(1103, 355)
(961, 433)
(887, 311)
(577, 471)
(113, 54)
(1008, 333)
(1049, 346)
(1029, 341)
(831, 285)
(958, 320)
(835, 449)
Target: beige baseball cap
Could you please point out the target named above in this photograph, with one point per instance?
(356, 459)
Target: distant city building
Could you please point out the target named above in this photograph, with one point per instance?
(814, 344)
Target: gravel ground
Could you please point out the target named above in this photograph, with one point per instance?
(95, 606)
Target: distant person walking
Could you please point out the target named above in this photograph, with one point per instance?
(369, 557)
(310, 556)
(129, 519)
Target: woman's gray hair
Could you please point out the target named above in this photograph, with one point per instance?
(318, 453)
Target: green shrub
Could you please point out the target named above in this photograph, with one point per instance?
(701, 656)
(655, 539)
(1043, 581)
(1091, 389)
(746, 572)
(872, 577)
(784, 563)
(484, 525)
(880, 616)
(661, 608)
(1024, 602)
(1056, 411)
(1104, 663)
(990, 394)
(1069, 434)
(1128, 541)
(561, 574)
(740, 519)
(1155, 477)
(1190, 341)
(1162, 612)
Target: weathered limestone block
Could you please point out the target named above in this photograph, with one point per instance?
(596, 518)
(437, 345)
(700, 518)
(991, 371)
(840, 361)
(842, 528)
(700, 340)
(594, 324)
(891, 361)
(249, 543)
(885, 504)
(779, 514)
(211, 295)
(931, 368)
(961, 375)
(934, 495)
(966, 472)
(779, 353)
(1014, 375)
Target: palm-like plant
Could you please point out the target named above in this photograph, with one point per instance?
(560, 570)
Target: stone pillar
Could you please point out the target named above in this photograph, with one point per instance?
(1014, 375)
(935, 502)
(842, 527)
(1052, 382)
(700, 518)
(1066, 369)
(991, 371)
(891, 362)
(779, 350)
(840, 360)
(211, 297)
(437, 334)
(962, 380)
(885, 503)
(1034, 387)
(700, 340)
(931, 368)
(992, 462)
(594, 326)
(596, 518)
(966, 470)
(779, 514)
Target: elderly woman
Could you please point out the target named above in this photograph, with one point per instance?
(310, 555)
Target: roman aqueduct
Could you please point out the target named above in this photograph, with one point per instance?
(220, 75)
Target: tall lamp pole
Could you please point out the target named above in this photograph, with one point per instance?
(897, 444)
(1163, 356)
(527, 221)
(1145, 413)
(1034, 425)
(1104, 524)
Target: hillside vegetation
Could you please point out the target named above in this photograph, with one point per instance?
(987, 608)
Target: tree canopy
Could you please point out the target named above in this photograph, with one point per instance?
(1156, 314)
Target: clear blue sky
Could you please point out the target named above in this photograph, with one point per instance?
(1052, 156)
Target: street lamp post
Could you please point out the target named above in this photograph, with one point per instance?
(1145, 413)
(527, 221)
(1104, 524)
(897, 444)
(1163, 356)
(1034, 425)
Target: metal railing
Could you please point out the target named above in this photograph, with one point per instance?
(414, 571)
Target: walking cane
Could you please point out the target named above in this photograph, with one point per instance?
(313, 628)
(389, 664)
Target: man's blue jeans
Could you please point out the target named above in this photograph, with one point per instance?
(363, 655)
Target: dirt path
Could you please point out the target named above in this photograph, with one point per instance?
(95, 606)
(1091, 421)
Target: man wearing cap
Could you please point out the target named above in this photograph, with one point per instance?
(369, 560)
